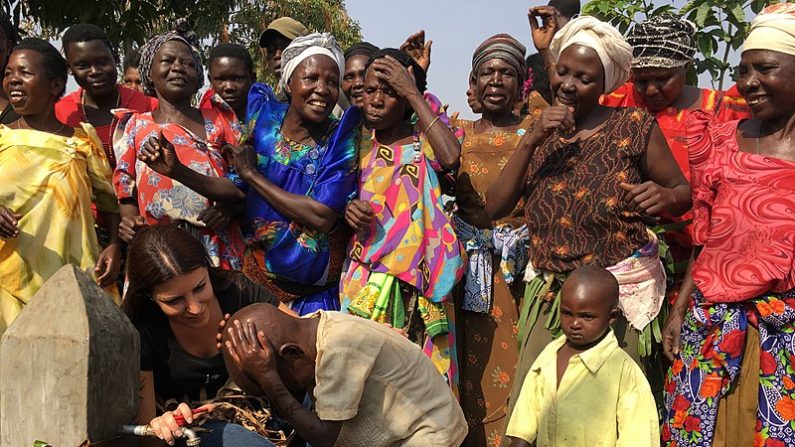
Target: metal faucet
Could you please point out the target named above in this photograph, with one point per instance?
(191, 439)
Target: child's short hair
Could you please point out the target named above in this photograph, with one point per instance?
(596, 276)
(86, 32)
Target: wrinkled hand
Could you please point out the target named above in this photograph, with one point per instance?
(672, 332)
(166, 427)
(159, 154)
(243, 159)
(389, 70)
(359, 214)
(552, 118)
(418, 49)
(648, 197)
(9, 223)
(130, 225)
(543, 34)
(108, 265)
(217, 217)
(250, 350)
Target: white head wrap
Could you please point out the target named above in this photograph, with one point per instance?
(773, 30)
(302, 48)
(614, 52)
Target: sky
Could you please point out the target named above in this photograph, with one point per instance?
(456, 28)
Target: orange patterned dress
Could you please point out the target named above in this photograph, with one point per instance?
(488, 342)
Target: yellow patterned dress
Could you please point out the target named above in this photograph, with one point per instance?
(51, 180)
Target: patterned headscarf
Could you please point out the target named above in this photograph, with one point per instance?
(613, 51)
(183, 34)
(302, 48)
(663, 41)
(505, 47)
(773, 30)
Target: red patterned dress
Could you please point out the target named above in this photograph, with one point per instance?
(161, 199)
(743, 206)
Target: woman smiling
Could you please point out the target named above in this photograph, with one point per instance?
(172, 69)
(50, 173)
(731, 382)
(176, 299)
(295, 179)
(591, 176)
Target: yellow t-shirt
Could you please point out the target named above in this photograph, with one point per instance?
(382, 386)
(603, 400)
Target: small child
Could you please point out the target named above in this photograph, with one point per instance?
(370, 385)
(583, 389)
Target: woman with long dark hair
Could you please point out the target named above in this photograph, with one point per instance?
(176, 299)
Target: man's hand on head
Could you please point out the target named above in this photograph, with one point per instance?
(252, 352)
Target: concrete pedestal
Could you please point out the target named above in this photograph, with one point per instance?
(69, 366)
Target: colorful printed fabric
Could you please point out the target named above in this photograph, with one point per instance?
(507, 242)
(163, 200)
(326, 173)
(69, 110)
(713, 337)
(412, 237)
(641, 282)
(673, 124)
(54, 179)
(742, 206)
(381, 300)
(211, 100)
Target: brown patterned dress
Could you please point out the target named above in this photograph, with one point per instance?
(487, 342)
(576, 215)
(574, 208)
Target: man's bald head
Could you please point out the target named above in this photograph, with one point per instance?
(289, 337)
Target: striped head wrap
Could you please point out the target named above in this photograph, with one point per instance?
(302, 48)
(613, 51)
(773, 30)
(505, 47)
(663, 41)
(181, 33)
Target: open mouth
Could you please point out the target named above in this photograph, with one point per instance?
(756, 100)
(318, 105)
(16, 96)
(177, 80)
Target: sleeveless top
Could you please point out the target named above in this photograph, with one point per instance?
(575, 210)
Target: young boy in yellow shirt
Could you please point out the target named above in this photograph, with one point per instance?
(583, 389)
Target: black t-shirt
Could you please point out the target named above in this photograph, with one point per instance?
(178, 374)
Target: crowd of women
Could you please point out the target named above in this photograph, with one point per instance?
(348, 187)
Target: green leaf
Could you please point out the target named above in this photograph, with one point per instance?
(704, 43)
(702, 13)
